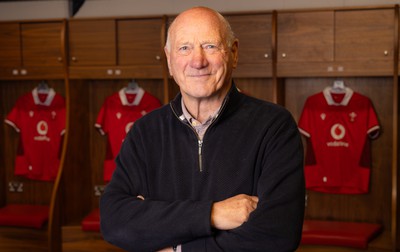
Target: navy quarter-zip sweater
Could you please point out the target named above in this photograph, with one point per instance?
(253, 147)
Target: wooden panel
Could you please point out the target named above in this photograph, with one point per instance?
(41, 44)
(258, 88)
(23, 239)
(335, 69)
(139, 42)
(74, 239)
(255, 44)
(305, 37)
(117, 72)
(305, 69)
(10, 45)
(364, 35)
(76, 181)
(92, 42)
(31, 73)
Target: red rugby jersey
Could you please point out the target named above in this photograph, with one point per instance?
(40, 120)
(117, 115)
(338, 128)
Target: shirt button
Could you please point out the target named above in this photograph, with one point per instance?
(30, 168)
(325, 179)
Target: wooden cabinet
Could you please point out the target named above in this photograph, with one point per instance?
(31, 50)
(139, 42)
(10, 45)
(116, 48)
(92, 43)
(336, 43)
(255, 44)
(305, 37)
(364, 41)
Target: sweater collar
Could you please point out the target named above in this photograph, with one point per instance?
(232, 98)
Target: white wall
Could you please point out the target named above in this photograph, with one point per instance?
(22, 10)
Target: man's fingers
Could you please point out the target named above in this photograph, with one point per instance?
(233, 212)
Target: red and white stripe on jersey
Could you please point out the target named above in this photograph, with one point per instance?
(339, 128)
(40, 120)
(117, 115)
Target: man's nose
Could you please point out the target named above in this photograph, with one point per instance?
(199, 59)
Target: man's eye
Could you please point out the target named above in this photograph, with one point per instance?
(183, 48)
(210, 47)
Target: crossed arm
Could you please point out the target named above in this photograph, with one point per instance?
(230, 213)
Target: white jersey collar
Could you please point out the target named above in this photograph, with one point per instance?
(348, 93)
(50, 96)
(139, 95)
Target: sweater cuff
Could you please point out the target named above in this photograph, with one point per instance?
(201, 223)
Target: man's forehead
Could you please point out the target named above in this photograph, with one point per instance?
(197, 34)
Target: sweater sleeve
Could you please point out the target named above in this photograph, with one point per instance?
(276, 224)
(134, 224)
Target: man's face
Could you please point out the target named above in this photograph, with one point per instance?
(199, 58)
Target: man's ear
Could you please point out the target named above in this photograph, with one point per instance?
(235, 53)
(167, 55)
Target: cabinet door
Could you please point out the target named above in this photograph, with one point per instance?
(92, 42)
(305, 36)
(31, 50)
(365, 36)
(305, 43)
(139, 43)
(10, 47)
(255, 44)
(41, 44)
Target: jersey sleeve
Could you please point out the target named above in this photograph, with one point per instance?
(304, 121)
(12, 118)
(373, 128)
(100, 121)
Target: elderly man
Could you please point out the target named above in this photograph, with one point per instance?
(215, 170)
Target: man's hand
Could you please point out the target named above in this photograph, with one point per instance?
(232, 212)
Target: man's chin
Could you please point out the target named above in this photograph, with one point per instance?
(200, 94)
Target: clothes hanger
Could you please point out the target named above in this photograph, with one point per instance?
(132, 88)
(338, 87)
(43, 87)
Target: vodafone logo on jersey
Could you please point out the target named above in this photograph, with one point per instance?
(42, 128)
(338, 131)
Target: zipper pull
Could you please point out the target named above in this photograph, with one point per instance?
(200, 155)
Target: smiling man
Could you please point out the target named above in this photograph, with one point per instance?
(201, 57)
(215, 170)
